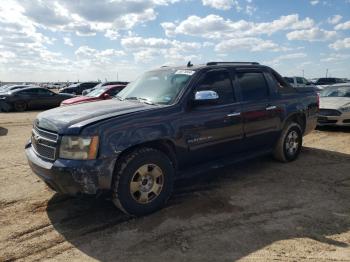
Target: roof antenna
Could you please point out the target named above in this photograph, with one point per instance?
(189, 64)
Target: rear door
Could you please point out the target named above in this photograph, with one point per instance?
(260, 115)
(214, 130)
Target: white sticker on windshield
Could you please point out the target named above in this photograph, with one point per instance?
(185, 72)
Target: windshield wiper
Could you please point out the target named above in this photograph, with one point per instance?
(132, 98)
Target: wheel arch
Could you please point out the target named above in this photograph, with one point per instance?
(166, 146)
(299, 118)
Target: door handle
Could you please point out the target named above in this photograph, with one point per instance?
(234, 114)
(271, 107)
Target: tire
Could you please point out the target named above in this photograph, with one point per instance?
(20, 106)
(5, 107)
(289, 144)
(137, 177)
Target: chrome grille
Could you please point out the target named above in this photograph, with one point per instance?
(44, 143)
(46, 134)
(329, 112)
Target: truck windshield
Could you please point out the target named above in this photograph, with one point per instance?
(157, 87)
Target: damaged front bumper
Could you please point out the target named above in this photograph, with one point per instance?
(72, 177)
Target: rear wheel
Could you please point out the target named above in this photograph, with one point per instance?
(20, 106)
(143, 182)
(289, 144)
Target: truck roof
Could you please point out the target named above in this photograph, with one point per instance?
(190, 66)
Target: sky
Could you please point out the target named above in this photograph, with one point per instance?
(71, 40)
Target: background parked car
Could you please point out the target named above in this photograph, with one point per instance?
(31, 98)
(103, 84)
(77, 89)
(323, 82)
(335, 106)
(13, 87)
(55, 85)
(297, 81)
(102, 93)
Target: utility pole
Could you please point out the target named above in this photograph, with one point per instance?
(303, 73)
(327, 73)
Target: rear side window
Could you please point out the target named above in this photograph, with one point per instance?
(220, 82)
(253, 85)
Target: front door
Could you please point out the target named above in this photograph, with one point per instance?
(213, 130)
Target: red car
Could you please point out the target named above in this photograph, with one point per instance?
(102, 93)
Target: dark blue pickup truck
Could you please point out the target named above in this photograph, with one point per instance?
(169, 123)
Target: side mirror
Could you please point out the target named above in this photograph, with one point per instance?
(206, 97)
(106, 96)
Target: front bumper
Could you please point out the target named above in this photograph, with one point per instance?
(72, 176)
(342, 120)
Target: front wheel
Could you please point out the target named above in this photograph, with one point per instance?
(20, 106)
(143, 182)
(289, 144)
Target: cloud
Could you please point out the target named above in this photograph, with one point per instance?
(279, 59)
(335, 57)
(91, 53)
(314, 2)
(222, 4)
(335, 19)
(67, 41)
(341, 44)
(250, 43)
(313, 34)
(88, 17)
(343, 26)
(148, 49)
(216, 27)
(19, 36)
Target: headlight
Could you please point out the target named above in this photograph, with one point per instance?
(75, 147)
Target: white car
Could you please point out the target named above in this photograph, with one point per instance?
(335, 106)
(297, 81)
(325, 82)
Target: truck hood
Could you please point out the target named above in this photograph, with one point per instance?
(70, 119)
(333, 102)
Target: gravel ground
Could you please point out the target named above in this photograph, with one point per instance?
(257, 211)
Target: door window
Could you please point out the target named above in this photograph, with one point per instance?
(253, 85)
(220, 82)
(28, 92)
(44, 92)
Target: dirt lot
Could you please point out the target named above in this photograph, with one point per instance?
(257, 211)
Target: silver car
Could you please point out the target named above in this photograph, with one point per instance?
(335, 106)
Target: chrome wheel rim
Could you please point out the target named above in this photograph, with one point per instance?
(147, 183)
(292, 143)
